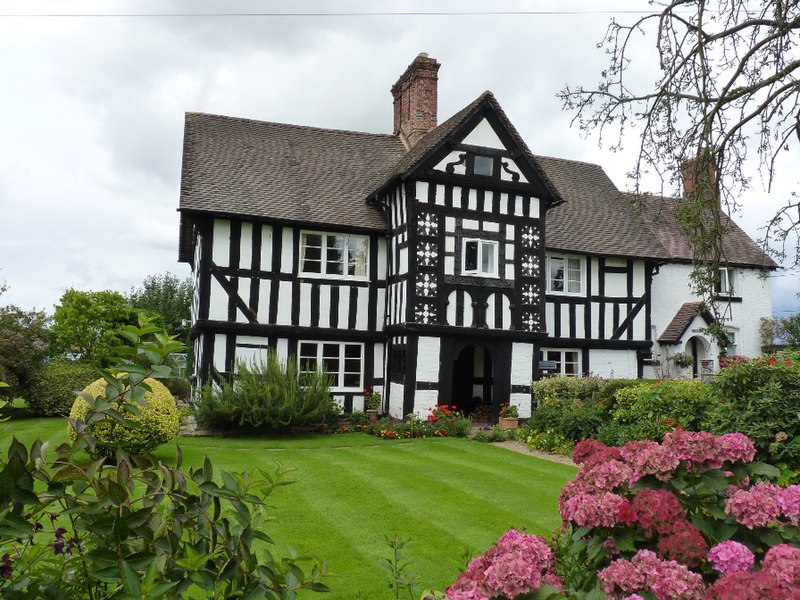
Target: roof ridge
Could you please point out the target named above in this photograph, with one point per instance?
(289, 125)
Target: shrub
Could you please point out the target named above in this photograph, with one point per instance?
(267, 397)
(495, 434)
(53, 391)
(443, 421)
(544, 440)
(570, 418)
(555, 390)
(156, 422)
(648, 411)
(760, 398)
(178, 387)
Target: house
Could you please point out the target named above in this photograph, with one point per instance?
(444, 263)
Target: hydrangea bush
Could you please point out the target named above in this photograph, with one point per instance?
(692, 517)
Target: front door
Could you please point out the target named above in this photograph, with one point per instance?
(473, 378)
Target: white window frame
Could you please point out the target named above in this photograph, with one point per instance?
(347, 240)
(546, 354)
(338, 376)
(726, 282)
(566, 258)
(732, 348)
(483, 245)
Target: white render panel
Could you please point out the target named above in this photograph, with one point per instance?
(471, 224)
(218, 302)
(518, 208)
(428, 359)
(396, 393)
(424, 401)
(450, 224)
(523, 404)
(219, 351)
(503, 204)
(380, 310)
(449, 265)
(246, 246)
(457, 197)
(221, 247)
(362, 308)
(549, 318)
(287, 250)
(344, 305)
(377, 362)
(509, 271)
(449, 244)
(266, 248)
(535, 208)
(451, 308)
(521, 363)
(403, 266)
(613, 363)
(616, 285)
(509, 251)
(638, 278)
(484, 135)
(324, 306)
(512, 166)
(282, 350)
(509, 232)
(472, 200)
(304, 318)
(492, 226)
(453, 157)
(422, 191)
(284, 316)
(382, 259)
(594, 278)
(580, 330)
(564, 320)
(440, 194)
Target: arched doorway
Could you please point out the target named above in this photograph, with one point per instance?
(473, 378)
(698, 347)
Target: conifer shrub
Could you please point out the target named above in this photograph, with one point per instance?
(267, 396)
(53, 391)
(156, 422)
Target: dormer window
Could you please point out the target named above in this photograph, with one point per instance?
(480, 258)
(483, 165)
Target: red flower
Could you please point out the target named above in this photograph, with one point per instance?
(626, 514)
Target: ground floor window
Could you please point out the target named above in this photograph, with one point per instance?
(567, 362)
(344, 362)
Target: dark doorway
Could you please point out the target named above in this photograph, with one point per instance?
(473, 378)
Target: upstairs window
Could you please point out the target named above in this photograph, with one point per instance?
(334, 255)
(343, 362)
(483, 165)
(480, 258)
(725, 282)
(565, 275)
(567, 362)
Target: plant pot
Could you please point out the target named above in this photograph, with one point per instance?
(508, 422)
(372, 413)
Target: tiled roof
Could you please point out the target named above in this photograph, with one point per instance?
(595, 217)
(284, 172)
(659, 215)
(681, 321)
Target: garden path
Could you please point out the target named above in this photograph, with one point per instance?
(523, 449)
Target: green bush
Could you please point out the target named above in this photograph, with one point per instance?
(53, 390)
(495, 434)
(608, 391)
(649, 410)
(761, 398)
(267, 397)
(546, 441)
(554, 390)
(156, 424)
(178, 387)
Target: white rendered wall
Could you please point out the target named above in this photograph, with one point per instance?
(671, 290)
(424, 401)
(396, 393)
(428, 360)
(618, 364)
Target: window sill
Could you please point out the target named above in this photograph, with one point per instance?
(331, 277)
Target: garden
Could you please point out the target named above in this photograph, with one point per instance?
(683, 489)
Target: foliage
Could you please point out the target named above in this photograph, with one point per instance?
(149, 425)
(372, 399)
(138, 528)
(168, 299)
(267, 396)
(783, 331)
(545, 440)
(682, 360)
(24, 343)
(648, 411)
(509, 411)
(442, 421)
(179, 387)
(53, 391)
(760, 398)
(689, 518)
(554, 390)
(571, 418)
(402, 580)
(495, 434)
(84, 324)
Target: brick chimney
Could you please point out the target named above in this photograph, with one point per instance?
(415, 100)
(700, 173)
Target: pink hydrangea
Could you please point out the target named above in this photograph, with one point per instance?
(665, 579)
(731, 557)
(658, 511)
(593, 510)
(519, 563)
(584, 449)
(788, 500)
(782, 562)
(697, 448)
(755, 507)
(649, 458)
(608, 475)
(747, 586)
(685, 545)
(736, 447)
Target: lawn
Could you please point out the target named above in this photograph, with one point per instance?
(447, 496)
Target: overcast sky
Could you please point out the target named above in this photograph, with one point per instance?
(91, 109)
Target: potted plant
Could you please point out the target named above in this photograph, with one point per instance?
(372, 402)
(509, 416)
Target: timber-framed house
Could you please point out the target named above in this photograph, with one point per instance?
(444, 263)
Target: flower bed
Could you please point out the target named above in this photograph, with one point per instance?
(693, 517)
(442, 421)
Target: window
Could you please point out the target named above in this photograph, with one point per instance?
(730, 349)
(337, 255)
(343, 362)
(568, 362)
(480, 258)
(483, 165)
(724, 284)
(564, 275)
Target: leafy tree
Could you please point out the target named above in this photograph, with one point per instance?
(84, 323)
(168, 297)
(785, 331)
(726, 87)
(24, 342)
